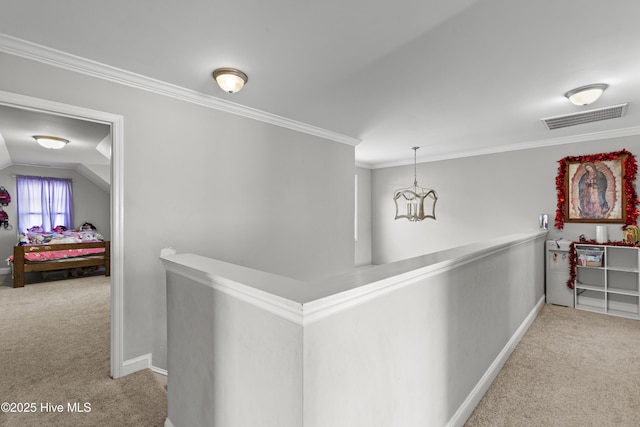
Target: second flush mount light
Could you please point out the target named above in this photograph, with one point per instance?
(230, 80)
(585, 95)
(51, 142)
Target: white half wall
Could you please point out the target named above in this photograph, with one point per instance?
(413, 343)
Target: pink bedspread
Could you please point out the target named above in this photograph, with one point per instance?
(62, 254)
(34, 237)
(68, 253)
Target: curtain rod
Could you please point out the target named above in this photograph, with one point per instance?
(48, 177)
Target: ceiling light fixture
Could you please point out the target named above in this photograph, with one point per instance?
(229, 79)
(415, 197)
(586, 95)
(52, 142)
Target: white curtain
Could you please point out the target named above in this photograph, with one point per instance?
(45, 202)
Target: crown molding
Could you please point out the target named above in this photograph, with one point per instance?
(57, 58)
(364, 165)
(53, 57)
(571, 139)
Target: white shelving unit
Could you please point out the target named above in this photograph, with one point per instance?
(613, 286)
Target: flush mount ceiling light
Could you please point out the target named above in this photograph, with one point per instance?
(414, 198)
(52, 142)
(586, 95)
(229, 79)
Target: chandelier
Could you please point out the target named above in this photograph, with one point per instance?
(412, 200)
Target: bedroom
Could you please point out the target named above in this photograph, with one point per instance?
(81, 163)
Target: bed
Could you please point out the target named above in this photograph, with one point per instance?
(61, 250)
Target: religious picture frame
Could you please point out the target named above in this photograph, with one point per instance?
(594, 190)
(597, 188)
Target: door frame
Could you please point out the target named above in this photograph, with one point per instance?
(117, 213)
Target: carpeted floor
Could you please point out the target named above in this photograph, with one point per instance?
(572, 368)
(54, 360)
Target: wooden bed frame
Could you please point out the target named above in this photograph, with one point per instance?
(20, 266)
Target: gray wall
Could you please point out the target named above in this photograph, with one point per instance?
(363, 243)
(90, 202)
(207, 182)
(479, 198)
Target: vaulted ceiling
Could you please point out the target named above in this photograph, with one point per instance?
(89, 151)
(455, 77)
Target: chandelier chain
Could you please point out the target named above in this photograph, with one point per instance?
(415, 173)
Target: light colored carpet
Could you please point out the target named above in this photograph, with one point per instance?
(54, 348)
(572, 368)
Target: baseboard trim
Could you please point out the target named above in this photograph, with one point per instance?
(5, 271)
(466, 409)
(137, 364)
(159, 371)
(142, 362)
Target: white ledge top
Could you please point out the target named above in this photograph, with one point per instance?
(304, 301)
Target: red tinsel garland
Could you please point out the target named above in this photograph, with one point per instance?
(630, 171)
(573, 257)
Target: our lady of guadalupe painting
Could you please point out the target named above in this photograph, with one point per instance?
(594, 190)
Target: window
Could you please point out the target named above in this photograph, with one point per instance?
(44, 202)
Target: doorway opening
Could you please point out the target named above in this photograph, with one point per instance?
(115, 122)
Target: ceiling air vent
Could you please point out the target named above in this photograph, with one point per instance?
(605, 113)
